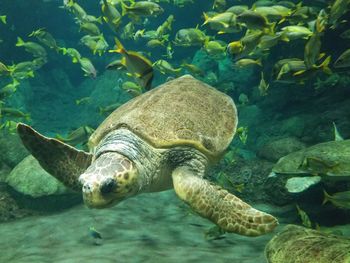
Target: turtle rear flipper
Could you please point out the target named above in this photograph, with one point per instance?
(61, 160)
(219, 206)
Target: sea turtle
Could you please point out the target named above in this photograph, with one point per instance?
(320, 162)
(297, 244)
(162, 139)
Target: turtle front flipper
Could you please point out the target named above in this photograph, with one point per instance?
(219, 206)
(59, 159)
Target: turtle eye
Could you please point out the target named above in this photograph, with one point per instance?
(108, 186)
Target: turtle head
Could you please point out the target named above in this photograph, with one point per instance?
(110, 179)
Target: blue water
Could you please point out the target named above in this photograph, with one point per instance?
(294, 112)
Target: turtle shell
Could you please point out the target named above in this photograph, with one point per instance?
(184, 111)
(327, 159)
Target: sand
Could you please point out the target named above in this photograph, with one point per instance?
(148, 228)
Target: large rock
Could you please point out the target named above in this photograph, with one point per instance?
(4, 171)
(33, 188)
(247, 179)
(9, 209)
(275, 149)
(293, 126)
(29, 178)
(12, 149)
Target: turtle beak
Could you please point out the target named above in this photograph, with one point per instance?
(94, 198)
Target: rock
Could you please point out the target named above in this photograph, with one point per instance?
(29, 178)
(4, 171)
(275, 149)
(293, 126)
(12, 149)
(203, 61)
(249, 115)
(248, 179)
(34, 189)
(9, 209)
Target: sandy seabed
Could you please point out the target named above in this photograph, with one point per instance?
(149, 228)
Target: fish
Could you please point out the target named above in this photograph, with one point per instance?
(32, 47)
(116, 65)
(108, 109)
(72, 52)
(343, 61)
(76, 9)
(10, 126)
(296, 32)
(101, 46)
(193, 69)
(235, 47)
(132, 88)
(250, 41)
(187, 37)
(337, 136)
(338, 9)
(97, 236)
(14, 113)
(340, 199)
(255, 21)
(25, 69)
(90, 28)
(153, 43)
(9, 89)
(244, 62)
(297, 70)
(128, 31)
(83, 101)
(111, 15)
(45, 38)
(165, 67)
(305, 220)
(275, 13)
(312, 50)
(165, 27)
(215, 48)
(169, 51)
(214, 233)
(136, 64)
(223, 22)
(92, 19)
(242, 134)
(3, 19)
(263, 87)
(142, 8)
(77, 136)
(268, 41)
(237, 9)
(4, 70)
(87, 66)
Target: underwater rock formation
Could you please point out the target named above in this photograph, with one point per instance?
(12, 149)
(9, 209)
(277, 148)
(29, 178)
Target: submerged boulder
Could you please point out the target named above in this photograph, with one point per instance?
(34, 188)
(275, 149)
(12, 149)
(29, 178)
